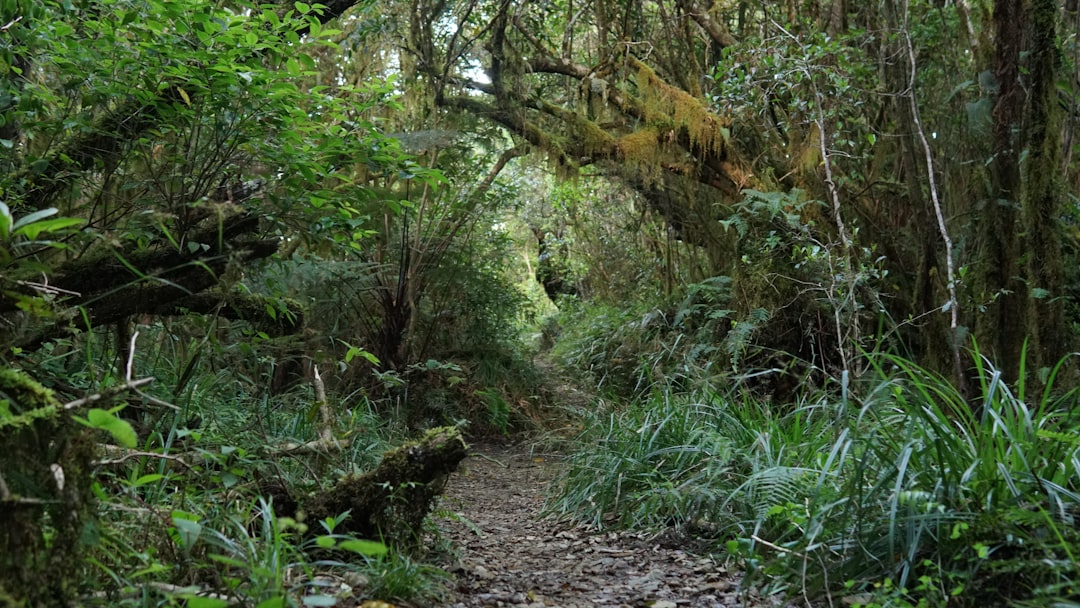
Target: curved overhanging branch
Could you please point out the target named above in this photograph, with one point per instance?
(701, 15)
(514, 123)
(619, 114)
(587, 142)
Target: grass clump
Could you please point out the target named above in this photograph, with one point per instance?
(896, 491)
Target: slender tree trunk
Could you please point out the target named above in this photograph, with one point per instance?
(837, 17)
(1042, 199)
(999, 327)
(928, 297)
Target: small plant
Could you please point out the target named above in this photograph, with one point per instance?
(497, 408)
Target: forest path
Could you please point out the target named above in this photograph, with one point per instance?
(505, 555)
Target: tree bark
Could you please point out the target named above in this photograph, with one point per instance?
(999, 330)
(1042, 200)
(121, 284)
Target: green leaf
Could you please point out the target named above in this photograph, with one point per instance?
(229, 561)
(35, 216)
(31, 231)
(188, 530)
(107, 421)
(356, 351)
(5, 222)
(369, 548)
(302, 7)
(325, 542)
(146, 479)
(198, 601)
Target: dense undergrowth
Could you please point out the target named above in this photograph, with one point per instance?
(893, 489)
(202, 509)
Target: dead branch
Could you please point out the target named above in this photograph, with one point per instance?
(109, 394)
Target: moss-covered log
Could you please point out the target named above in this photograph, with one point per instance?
(390, 502)
(116, 285)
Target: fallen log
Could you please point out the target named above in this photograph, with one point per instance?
(389, 503)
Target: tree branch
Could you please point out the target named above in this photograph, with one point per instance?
(716, 30)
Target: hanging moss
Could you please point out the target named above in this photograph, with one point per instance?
(641, 152)
(596, 140)
(665, 104)
(807, 153)
(45, 500)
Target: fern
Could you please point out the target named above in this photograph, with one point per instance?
(776, 486)
(738, 339)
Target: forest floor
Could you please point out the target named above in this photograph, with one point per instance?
(505, 554)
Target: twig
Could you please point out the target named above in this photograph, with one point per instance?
(319, 445)
(954, 304)
(108, 394)
(11, 23)
(156, 401)
(776, 547)
(846, 239)
(131, 356)
(45, 288)
(127, 454)
(326, 430)
(486, 457)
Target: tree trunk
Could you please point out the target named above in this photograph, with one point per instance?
(1046, 325)
(1000, 329)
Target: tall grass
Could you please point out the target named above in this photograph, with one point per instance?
(202, 509)
(897, 491)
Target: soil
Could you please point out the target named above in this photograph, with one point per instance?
(505, 554)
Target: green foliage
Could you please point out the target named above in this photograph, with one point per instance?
(432, 355)
(220, 473)
(900, 490)
(107, 420)
(753, 323)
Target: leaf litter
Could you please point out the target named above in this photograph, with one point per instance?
(506, 554)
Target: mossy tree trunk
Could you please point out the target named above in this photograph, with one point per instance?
(1019, 269)
(999, 329)
(45, 498)
(1042, 198)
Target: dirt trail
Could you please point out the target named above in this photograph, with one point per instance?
(507, 557)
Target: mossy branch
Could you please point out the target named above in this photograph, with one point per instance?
(390, 502)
